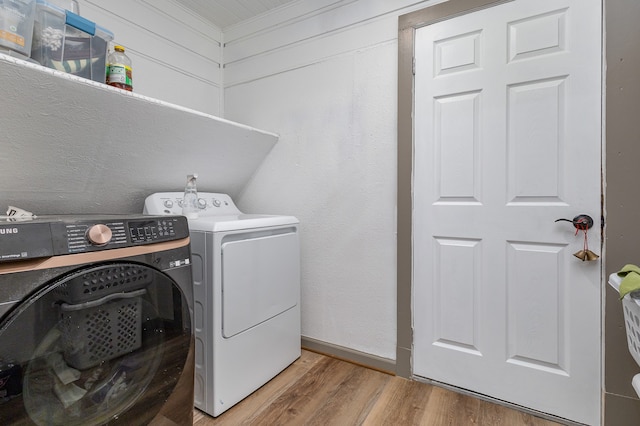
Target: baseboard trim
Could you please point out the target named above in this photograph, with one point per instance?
(384, 365)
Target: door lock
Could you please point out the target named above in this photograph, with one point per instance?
(580, 222)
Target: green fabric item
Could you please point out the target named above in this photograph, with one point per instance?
(631, 280)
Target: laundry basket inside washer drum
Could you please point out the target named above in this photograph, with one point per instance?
(104, 281)
(101, 312)
(102, 329)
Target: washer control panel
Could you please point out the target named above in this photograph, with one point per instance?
(209, 204)
(83, 236)
(152, 230)
(86, 236)
(59, 235)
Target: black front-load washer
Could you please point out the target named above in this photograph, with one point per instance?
(96, 321)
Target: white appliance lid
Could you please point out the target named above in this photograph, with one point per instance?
(239, 222)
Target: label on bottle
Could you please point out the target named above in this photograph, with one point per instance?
(118, 73)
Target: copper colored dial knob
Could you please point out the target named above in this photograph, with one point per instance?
(99, 235)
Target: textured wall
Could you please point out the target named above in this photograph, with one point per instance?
(334, 169)
(176, 55)
(323, 74)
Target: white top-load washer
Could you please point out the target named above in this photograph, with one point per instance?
(246, 273)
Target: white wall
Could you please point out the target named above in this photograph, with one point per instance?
(176, 55)
(76, 146)
(323, 74)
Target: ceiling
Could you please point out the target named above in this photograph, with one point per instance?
(224, 13)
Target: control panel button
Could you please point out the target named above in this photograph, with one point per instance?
(99, 235)
(148, 231)
(216, 202)
(168, 204)
(202, 203)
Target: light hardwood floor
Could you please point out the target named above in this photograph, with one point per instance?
(320, 390)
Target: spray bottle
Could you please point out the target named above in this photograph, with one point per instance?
(190, 199)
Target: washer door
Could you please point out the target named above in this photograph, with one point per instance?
(105, 344)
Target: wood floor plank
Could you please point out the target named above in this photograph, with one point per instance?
(495, 414)
(264, 396)
(446, 407)
(318, 390)
(307, 395)
(402, 402)
(353, 400)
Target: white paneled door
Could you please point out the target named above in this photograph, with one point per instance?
(507, 140)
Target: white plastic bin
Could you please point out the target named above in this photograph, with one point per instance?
(631, 310)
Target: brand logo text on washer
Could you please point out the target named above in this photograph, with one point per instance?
(4, 231)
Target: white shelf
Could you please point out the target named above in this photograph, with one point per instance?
(71, 145)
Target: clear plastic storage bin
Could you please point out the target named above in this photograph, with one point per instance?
(16, 26)
(67, 42)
